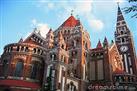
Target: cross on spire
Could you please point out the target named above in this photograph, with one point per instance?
(72, 12)
(118, 3)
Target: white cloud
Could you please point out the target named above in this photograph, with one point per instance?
(82, 8)
(119, 1)
(50, 5)
(42, 27)
(96, 25)
(34, 22)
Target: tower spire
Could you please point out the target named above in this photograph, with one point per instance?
(99, 45)
(119, 14)
(105, 43)
(72, 12)
(21, 40)
(118, 4)
(124, 43)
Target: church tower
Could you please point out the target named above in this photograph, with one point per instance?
(125, 44)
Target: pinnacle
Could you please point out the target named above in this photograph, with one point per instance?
(99, 45)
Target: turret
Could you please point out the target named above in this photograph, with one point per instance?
(99, 45)
(50, 39)
(105, 43)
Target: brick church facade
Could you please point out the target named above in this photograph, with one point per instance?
(65, 61)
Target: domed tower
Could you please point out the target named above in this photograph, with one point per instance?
(22, 65)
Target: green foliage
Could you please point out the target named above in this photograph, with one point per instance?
(132, 0)
(47, 86)
(132, 8)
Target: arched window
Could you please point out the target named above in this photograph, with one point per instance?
(49, 70)
(26, 49)
(5, 66)
(34, 70)
(53, 57)
(123, 40)
(19, 68)
(86, 45)
(22, 48)
(68, 31)
(18, 48)
(74, 43)
(71, 87)
(65, 31)
(77, 41)
(63, 47)
(34, 50)
(122, 32)
(38, 51)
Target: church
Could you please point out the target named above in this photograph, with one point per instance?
(65, 61)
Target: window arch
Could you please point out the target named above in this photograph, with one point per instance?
(34, 50)
(19, 68)
(86, 45)
(123, 40)
(74, 43)
(71, 87)
(22, 48)
(26, 49)
(63, 47)
(53, 57)
(65, 31)
(34, 70)
(18, 48)
(5, 66)
(68, 31)
(122, 32)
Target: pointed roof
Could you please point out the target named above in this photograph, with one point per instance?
(70, 22)
(112, 41)
(105, 40)
(39, 32)
(30, 38)
(119, 14)
(99, 45)
(50, 30)
(105, 43)
(21, 40)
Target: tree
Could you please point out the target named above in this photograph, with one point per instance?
(47, 86)
(132, 8)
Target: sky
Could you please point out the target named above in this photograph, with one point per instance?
(18, 18)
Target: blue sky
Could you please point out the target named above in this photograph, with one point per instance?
(19, 17)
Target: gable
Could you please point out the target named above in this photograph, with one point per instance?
(35, 39)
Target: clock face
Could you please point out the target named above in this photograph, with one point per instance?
(124, 48)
